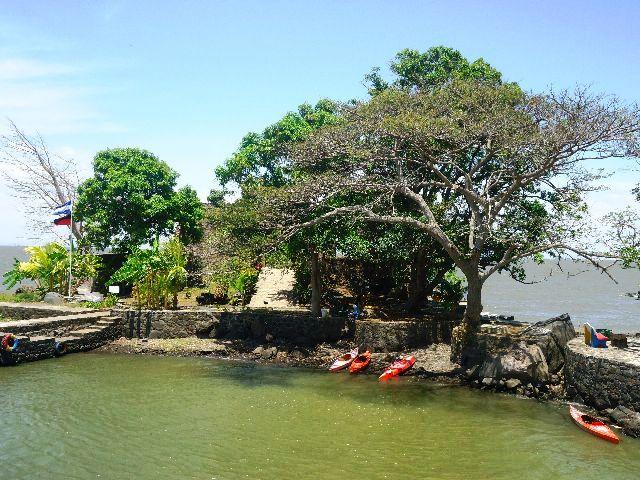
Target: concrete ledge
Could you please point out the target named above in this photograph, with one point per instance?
(48, 325)
(602, 377)
(28, 311)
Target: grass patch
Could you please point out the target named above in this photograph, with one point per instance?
(20, 297)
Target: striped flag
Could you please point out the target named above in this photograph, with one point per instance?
(63, 213)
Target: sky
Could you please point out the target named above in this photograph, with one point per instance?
(187, 80)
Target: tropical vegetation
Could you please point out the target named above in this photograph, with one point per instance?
(48, 268)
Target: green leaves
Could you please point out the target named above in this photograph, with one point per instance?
(48, 267)
(262, 159)
(432, 69)
(156, 274)
(131, 200)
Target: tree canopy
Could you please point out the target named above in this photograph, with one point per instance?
(132, 200)
(491, 173)
(431, 69)
(261, 158)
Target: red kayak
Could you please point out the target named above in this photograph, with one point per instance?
(360, 362)
(344, 361)
(398, 367)
(593, 425)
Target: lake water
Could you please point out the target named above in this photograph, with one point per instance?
(102, 416)
(587, 297)
(7, 256)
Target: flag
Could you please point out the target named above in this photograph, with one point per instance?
(64, 209)
(64, 220)
(63, 214)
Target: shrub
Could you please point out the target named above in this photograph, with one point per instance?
(157, 275)
(48, 267)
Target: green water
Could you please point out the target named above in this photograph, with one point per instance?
(92, 416)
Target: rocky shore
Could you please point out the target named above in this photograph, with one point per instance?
(431, 362)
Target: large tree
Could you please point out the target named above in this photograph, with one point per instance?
(494, 175)
(132, 200)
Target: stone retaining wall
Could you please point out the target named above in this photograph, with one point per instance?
(394, 336)
(28, 311)
(39, 348)
(602, 377)
(291, 326)
(51, 325)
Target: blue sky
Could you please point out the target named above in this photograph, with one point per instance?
(186, 80)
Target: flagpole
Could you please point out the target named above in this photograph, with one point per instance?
(70, 247)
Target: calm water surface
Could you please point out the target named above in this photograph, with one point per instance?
(89, 416)
(586, 294)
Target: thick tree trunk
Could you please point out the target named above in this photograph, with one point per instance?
(464, 341)
(316, 283)
(418, 282)
(474, 302)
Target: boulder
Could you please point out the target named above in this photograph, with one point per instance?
(269, 352)
(512, 383)
(258, 350)
(628, 419)
(551, 336)
(520, 361)
(53, 298)
(91, 297)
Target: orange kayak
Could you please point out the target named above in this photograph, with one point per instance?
(398, 367)
(343, 361)
(593, 425)
(360, 362)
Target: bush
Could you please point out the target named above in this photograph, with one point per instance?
(157, 275)
(48, 267)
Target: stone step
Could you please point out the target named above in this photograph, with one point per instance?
(66, 339)
(40, 338)
(84, 331)
(106, 322)
(52, 323)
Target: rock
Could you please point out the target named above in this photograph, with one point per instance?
(207, 328)
(619, 340)
(92, 297)
(512, 383)
(53, 298)
(628, 419)
(216, 348)
(258, 350)
(525, 362)
(269, 352)
(487, 381)
(552, 336)
(557, 390)
(296, 354)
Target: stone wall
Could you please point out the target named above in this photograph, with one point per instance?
(52, 326)
(28, 311)
(605, 378)
(394, 336)
(291, 326)
(39, 348)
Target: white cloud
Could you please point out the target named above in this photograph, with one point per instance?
(50, 98)
(23, 69)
